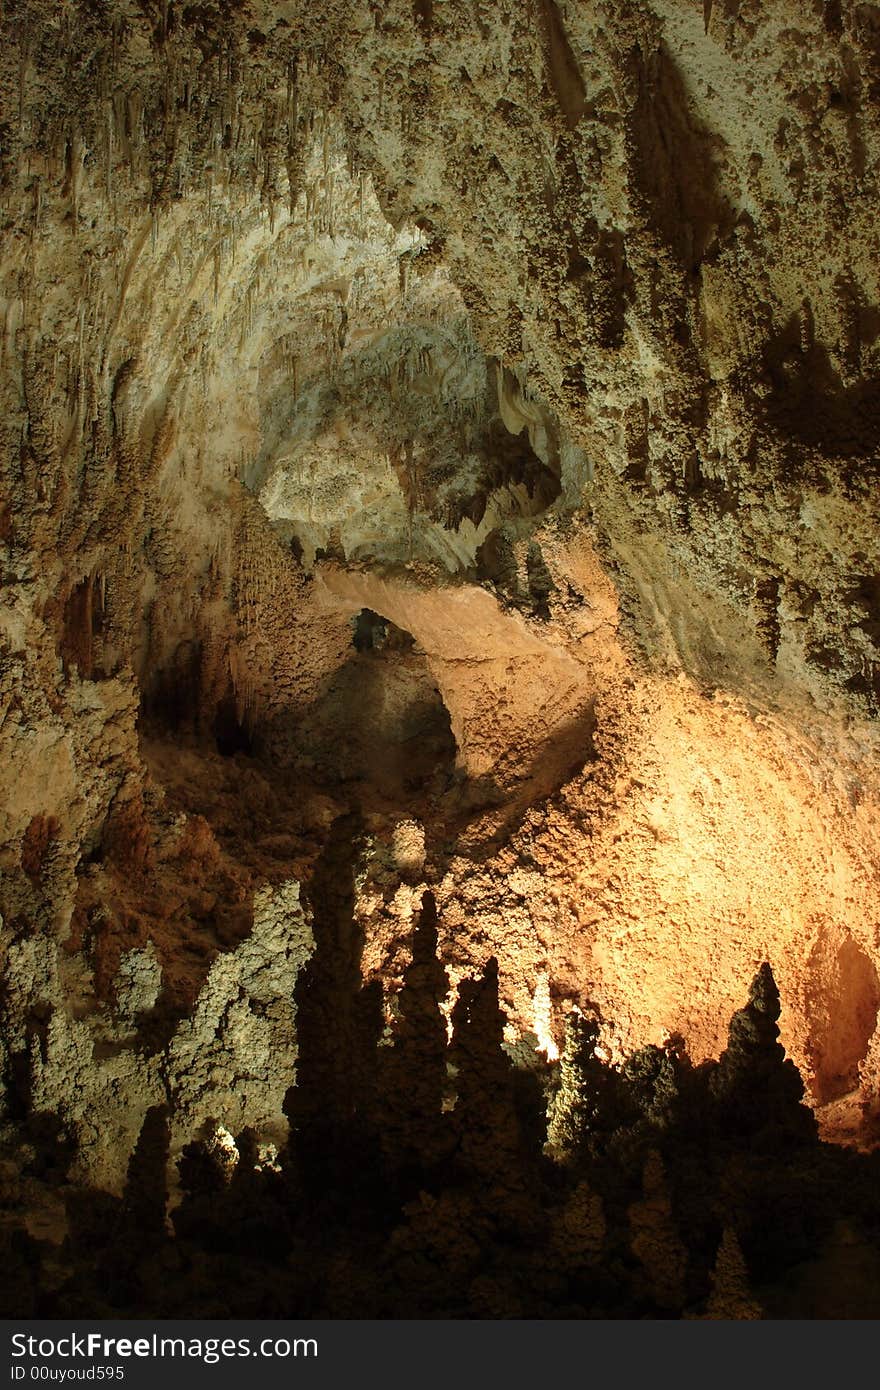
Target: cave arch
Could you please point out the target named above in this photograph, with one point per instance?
(520, 708)
(381, 718)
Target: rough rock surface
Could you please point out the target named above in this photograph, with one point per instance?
(537, 347)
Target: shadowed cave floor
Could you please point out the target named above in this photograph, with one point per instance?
(439, 1172)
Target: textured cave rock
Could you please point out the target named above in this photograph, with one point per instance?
(439, 453)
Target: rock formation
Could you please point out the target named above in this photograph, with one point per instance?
(438, 455)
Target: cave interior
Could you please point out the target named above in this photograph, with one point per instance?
(440, 659)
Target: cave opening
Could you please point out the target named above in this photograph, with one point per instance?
(230, 730)
(373, 633)
(380, 723)
(169, 692)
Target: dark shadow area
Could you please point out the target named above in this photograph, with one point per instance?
(809, 404)
(83, 626)
(373, 633)
(339, 1022)
(562, 69)
(231, 734)
(379, 723)
(438, 1177)
(170, 699)
(413, 1081)
(674, 164)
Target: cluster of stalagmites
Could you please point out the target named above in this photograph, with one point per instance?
(458, 1176)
